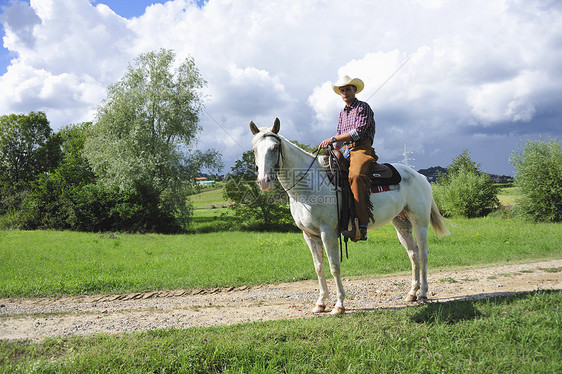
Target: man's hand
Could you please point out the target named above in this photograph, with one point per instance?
(325, 143)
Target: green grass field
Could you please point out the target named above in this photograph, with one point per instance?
(514, 334)
(209, 198)
(211, 212)
(50, 263)
(508, 195)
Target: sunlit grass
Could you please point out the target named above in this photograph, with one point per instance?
(508, 195)
(513, 334)
(40, 263)
(210, 197)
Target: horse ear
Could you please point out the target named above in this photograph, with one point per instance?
(276, 126)
(254, 128)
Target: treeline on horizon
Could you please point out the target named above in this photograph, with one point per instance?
(47, 182)
(435, 172)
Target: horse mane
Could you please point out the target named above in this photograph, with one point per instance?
(323, 160)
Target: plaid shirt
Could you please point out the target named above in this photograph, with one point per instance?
(358, 120)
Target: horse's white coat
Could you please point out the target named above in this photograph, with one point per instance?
(313, 207)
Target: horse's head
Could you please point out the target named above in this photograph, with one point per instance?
(267, 153)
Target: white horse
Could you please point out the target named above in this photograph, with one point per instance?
(313, 206)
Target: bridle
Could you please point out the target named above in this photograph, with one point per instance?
(279, 154)
(280, 157)
(307, 170)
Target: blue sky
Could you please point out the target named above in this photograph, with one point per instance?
(128, 8)
(482, 75)
(124, 8)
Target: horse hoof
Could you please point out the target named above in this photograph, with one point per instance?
(411, 298)
(423, 299)
(338, 310)
(319, 309)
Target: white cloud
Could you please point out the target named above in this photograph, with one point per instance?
(21, 19)
(475, 67)
(64, 61)
(507, 101)
(251, 90)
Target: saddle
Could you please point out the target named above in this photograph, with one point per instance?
(383, 175)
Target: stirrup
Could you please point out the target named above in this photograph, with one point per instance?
(358, 233)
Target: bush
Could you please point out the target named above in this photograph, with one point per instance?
(94, 208)
(68, 198)
(465, 191)
(466, 194)
(538, 174)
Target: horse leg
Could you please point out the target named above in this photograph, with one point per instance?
(330, 240)
(403, 228)
(315, 245)
(422, 239)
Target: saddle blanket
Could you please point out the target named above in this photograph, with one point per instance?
(377, 189)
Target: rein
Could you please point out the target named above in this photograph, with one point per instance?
(317, 152)
(307, 170)
(339, 188)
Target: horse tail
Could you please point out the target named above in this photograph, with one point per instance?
(437, 221)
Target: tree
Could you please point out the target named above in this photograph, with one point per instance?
(538, 174)
(49, 202)
(465, 190)
(146, 127)
(74, 168)
(463, 162)
(67, 198)
(250, 204)
(147, 124)
(27, 149)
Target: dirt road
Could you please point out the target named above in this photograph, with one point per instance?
(46, 317)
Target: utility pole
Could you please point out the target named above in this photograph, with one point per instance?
(406, 160)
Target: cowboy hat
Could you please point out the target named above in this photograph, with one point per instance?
(347, 81)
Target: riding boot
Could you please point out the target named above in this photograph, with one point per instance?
(353, 233)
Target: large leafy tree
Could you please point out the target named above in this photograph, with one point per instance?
(148, 124)
(538, 174)
(50, 202)
(27, 149)
(74, 168)
(24, 146)
(146, 128)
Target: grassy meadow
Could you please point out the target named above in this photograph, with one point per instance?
(209, 198)
(508, 195)
(51, 263)
(513, 334)
(211, 212)
(519, 333)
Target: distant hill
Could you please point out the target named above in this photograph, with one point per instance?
(432, 174)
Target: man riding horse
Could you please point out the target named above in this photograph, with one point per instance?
(355, 135)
